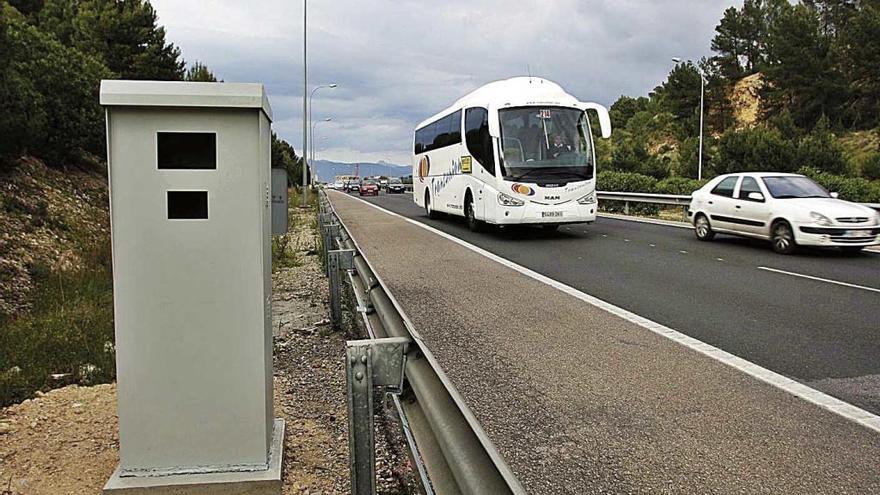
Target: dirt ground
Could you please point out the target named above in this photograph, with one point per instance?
(65, 442)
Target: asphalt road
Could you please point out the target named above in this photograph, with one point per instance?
(578, 400)
(821, 333)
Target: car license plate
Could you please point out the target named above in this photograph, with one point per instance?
(551, 214)
(853, 233)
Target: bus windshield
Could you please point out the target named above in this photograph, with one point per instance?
(545, 143)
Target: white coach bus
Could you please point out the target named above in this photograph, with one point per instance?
(517, 151)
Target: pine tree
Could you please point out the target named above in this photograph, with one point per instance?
(834, 14)
(125, 34)
(728, 43)
(680, 94)
(801, 69)
(860, 54)
(199, 72)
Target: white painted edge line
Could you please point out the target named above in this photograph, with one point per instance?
(818, 279)
(654, 221)
(811, 395)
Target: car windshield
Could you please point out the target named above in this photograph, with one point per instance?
(794, 187)
(546, 143)
(369, 183)
(394, 181)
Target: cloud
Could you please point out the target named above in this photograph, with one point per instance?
(398, 62)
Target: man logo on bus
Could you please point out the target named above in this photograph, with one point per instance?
(523, 189)
(424, 168)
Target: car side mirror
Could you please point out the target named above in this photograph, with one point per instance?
(756, 196)
(835, 195)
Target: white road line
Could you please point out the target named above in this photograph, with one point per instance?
(793, 274)
(665, 223)
(811, 395)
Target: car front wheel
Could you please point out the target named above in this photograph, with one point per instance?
(702, 228)
(782, 238)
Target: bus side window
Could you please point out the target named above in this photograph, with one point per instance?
(479, 143)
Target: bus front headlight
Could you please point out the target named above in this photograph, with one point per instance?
(589, 199)
(505, 200)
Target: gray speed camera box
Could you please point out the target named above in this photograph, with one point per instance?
(189, 168)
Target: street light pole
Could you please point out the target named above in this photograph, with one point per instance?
(677, 60)
(702, 94)
(305, 165)
(312, 95)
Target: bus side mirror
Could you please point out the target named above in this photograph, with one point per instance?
(604, 118)
(494, 126)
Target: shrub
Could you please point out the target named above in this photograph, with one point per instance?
(755, 150)
(850, 188)
(627, 182)
(871, 167)
(629, 155)
(822, 150)
(678, 185)
(68, 331)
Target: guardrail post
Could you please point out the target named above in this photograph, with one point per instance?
(331, 231)
(337, 260)
(626, 207)
(369, 363)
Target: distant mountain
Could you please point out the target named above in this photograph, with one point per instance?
(328, 170)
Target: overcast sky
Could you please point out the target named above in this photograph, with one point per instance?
(398, 62)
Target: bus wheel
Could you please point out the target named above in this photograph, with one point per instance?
(428, 210)
(473, 224)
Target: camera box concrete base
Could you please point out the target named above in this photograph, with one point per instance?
(229, 483)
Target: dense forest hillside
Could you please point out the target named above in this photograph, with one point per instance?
(790, 87)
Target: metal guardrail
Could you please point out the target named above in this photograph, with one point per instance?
(683, 200)
(447, 446)
(661, 199)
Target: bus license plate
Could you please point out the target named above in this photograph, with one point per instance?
(551, 214)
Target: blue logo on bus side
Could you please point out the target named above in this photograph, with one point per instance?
(445, 179)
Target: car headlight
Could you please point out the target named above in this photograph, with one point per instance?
(505, 200)
(820, 219)
(588, 199)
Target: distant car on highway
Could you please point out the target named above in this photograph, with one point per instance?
(352, 186)
(789, 210)
(395, 186)
(338, 185)
(369, 187)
